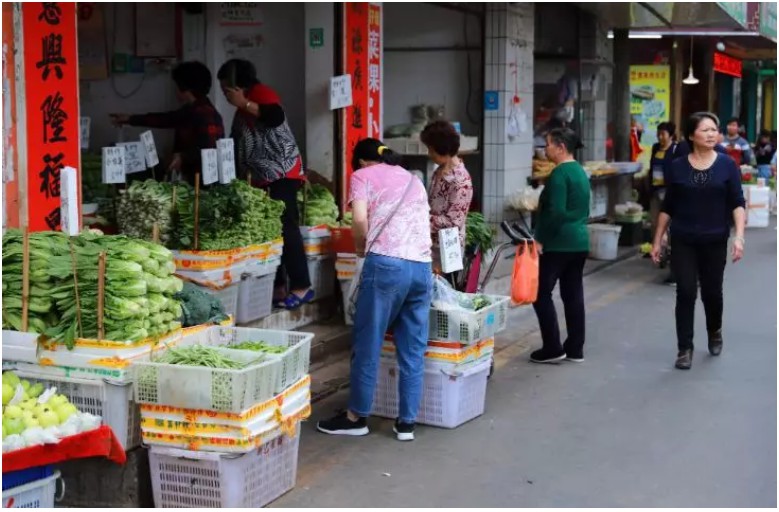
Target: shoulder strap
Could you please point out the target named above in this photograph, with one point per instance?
(392, 213)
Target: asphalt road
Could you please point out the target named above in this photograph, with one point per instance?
(623, 429)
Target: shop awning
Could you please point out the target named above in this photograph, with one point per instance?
(666, 15)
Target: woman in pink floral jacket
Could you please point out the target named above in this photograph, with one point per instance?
(451, 189)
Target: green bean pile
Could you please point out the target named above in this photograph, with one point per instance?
(199, 355)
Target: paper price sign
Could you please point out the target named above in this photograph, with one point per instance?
(226, 150)
(210, 166)
(147, 138)
(113, 165)
(340, 92)
(451, 250)
(69, 201)
(134, 157)
(85, 125)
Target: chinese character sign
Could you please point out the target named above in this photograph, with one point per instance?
(53, 122)
(362, 47)
(650, 102)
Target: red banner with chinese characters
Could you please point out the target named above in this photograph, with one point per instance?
(362, 51)
(51, 105)
(727, 65)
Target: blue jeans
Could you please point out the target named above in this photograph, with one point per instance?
(393, 293)
(764, 171)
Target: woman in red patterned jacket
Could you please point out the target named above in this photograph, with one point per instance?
(451, 189)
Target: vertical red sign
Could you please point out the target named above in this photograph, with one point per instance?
(51, 105)
(362, 50)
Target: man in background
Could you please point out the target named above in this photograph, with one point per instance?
(736, 146)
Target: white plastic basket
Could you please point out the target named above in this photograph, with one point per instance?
(212, 389)
(227, 296)
(38, 494)
(321, 269)
(192, 479)
(294, 362)
(113, 402)
(255, 298)
(448, 400)
(469, 326)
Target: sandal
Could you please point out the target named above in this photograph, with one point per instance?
(293, 302)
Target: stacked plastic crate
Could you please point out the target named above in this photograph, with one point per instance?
(457, 365)
(226, 438)
(321, 266)
(345, 267)
(255, 293)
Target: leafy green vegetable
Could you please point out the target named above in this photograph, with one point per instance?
(478, 233)
(317, 206)
(259, 346)
(199, 307)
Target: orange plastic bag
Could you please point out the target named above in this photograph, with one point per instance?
(524, 279)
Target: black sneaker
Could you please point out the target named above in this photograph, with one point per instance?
(573, 356)
(341, 425)
(543, 356)
(404, 431)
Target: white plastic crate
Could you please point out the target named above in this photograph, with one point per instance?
(469, 326)
(212, 389)
(227, 296)
(345, 285)
(113, 402)
(321, 269)
(448, 400)
(38, 494)
(255, 298)
(192, 479)
(294, 362)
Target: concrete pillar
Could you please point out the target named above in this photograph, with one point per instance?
(509, 41)
(320, 67)
(621, 94)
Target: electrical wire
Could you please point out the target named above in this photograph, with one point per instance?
(135, 91)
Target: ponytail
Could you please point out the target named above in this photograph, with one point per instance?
(374, 150)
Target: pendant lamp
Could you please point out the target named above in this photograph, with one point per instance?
(690, 80)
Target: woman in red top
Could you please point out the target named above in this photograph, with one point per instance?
(267, 150)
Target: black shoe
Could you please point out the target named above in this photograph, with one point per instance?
(684, 360)
(341, 425)
(574, 356)
(543, 356)
(715, 342)
(404, 431)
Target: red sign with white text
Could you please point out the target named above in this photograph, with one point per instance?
(362, 48)
(727, 65)
(51, 105)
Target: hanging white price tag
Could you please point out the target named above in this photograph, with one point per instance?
(113, 165)
(69, 201)
(134, 156)
(226, 150)
(210, 166)
(451, 250)
(85, 125)
(152, 159)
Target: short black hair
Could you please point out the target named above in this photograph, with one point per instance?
(734, 120)
(667, 127)
(695, 120)
(565, 137)
(442, 137)
(373, 150)
(192, 77)
(238, 73)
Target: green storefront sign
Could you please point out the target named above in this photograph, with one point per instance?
(768, 20)
(736, 10)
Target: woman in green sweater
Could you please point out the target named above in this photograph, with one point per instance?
(563, 240)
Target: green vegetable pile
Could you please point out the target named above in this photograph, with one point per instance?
(93, 190)
(347, 220)
(317, 206)
(259, 346)
(199, 355)
(145, 203)
(478, 233)
(199, 307)
(475, 302)
(139, 287)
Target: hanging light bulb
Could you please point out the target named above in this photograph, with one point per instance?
(690, 80)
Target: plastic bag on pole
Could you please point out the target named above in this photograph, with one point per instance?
(524, 279)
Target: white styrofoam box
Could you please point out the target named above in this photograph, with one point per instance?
(321, 270)
(314, 232)
(599, 199)
(469, 327)
(258, 268)
(113, 402)
(448, 399)
(212, 389)
(216, 277)
(758, 201)
(255, 298)
(294, 361)
(38, 494)
(114, 375)
(317, 246)
(345, 285)
(228, 296)
(193, 479)
(604, 241)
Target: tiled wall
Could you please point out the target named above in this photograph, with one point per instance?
(508, 70)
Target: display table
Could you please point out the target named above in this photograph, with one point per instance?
(100, 442)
